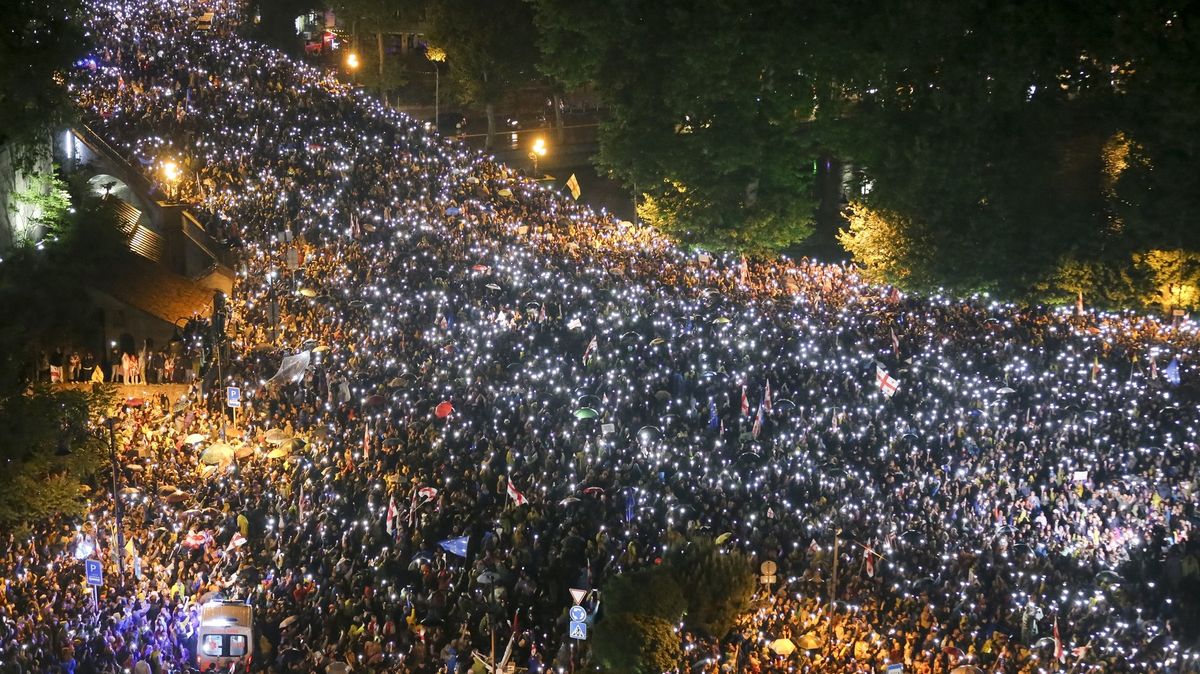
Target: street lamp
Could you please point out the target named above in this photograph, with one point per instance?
(352, 61)
(171, 173)
(436, 55)
(536, 152)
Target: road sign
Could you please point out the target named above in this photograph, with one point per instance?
(769, 580)
(292, 259)
(578, 614)
(233, 395)
(95, 572)
(767, 568)
(578, 595)
(578, 630)
(895, 668)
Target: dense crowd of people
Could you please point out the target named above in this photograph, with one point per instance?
(453, 351)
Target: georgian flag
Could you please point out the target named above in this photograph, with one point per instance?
(427, 494)
(1058, 647)
(745, 403)
(767, 396)
(888, 384)
(392, 513)
(758, 422)
(588, 351)
(515, 495)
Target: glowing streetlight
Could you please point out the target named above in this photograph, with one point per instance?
(537, 151)
(352, 61)
(437, 56)
(171, 174)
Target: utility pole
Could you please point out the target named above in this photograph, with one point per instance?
(116, 494)
(833, 583)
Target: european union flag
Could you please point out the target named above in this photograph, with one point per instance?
(713, 419)
(1171, 373)
(455, 546)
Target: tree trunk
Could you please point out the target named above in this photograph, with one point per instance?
(558, 125)
(491, 125)
(383, 92)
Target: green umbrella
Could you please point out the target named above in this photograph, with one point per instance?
(586, 413)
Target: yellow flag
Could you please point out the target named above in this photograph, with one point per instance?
(573, 185)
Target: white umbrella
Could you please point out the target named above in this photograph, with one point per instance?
(216, 453)
(195, 438)
(276, 436)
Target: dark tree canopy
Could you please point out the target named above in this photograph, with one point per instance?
(1035, 150)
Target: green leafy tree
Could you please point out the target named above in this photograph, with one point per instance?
(41, 41)
(652, 592)
(718, 585)
(490, 49)
(706, 111)
(630, 643)
(377, 19)
(46, 452)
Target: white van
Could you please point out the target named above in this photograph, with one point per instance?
(226, 634)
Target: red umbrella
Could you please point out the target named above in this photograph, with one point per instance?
(375, 400)
(480, 267)
(443, 409)
(134, 402)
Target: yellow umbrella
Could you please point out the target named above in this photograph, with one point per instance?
(278, 453)
(784, 647)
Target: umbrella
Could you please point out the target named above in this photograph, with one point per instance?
(784, 647)
(278, 453)
(135, 467)
(293, 445)
(134, 402)
(287, 621)
(966, 669)
(1005, 391)
(657, 340)
(1108, 576)
(216, 453)
(662, 394)
(443, 409)
(180, 406)
(809, 642)
(167, 490)
(492, 286)
(375, 400)
(586, 413)
(129, 491)
(321, 349)
(480, 268)
(276, 436)
(177, 497)
(1044, 642)
(244, 451)
(488, 577)
(724, 537)
(953, 651)
(337, 668)
(308, 292)
(195, 438)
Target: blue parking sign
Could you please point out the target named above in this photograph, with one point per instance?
(95, 572)
(233, 396)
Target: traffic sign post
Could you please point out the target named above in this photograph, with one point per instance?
(94, 572)
(233, 396)
(578, 595)
(578, 630)
(578, 614)
(895, 668)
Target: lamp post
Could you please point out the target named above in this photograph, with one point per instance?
(118, 509)
(436, 55)
(352, 64)
(537, 151)
(170, 172)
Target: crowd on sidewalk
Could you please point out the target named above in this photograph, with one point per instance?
(433, 349)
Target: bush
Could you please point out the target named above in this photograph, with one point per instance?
(629, 643)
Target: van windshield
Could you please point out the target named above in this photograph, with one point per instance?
(224, 645)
